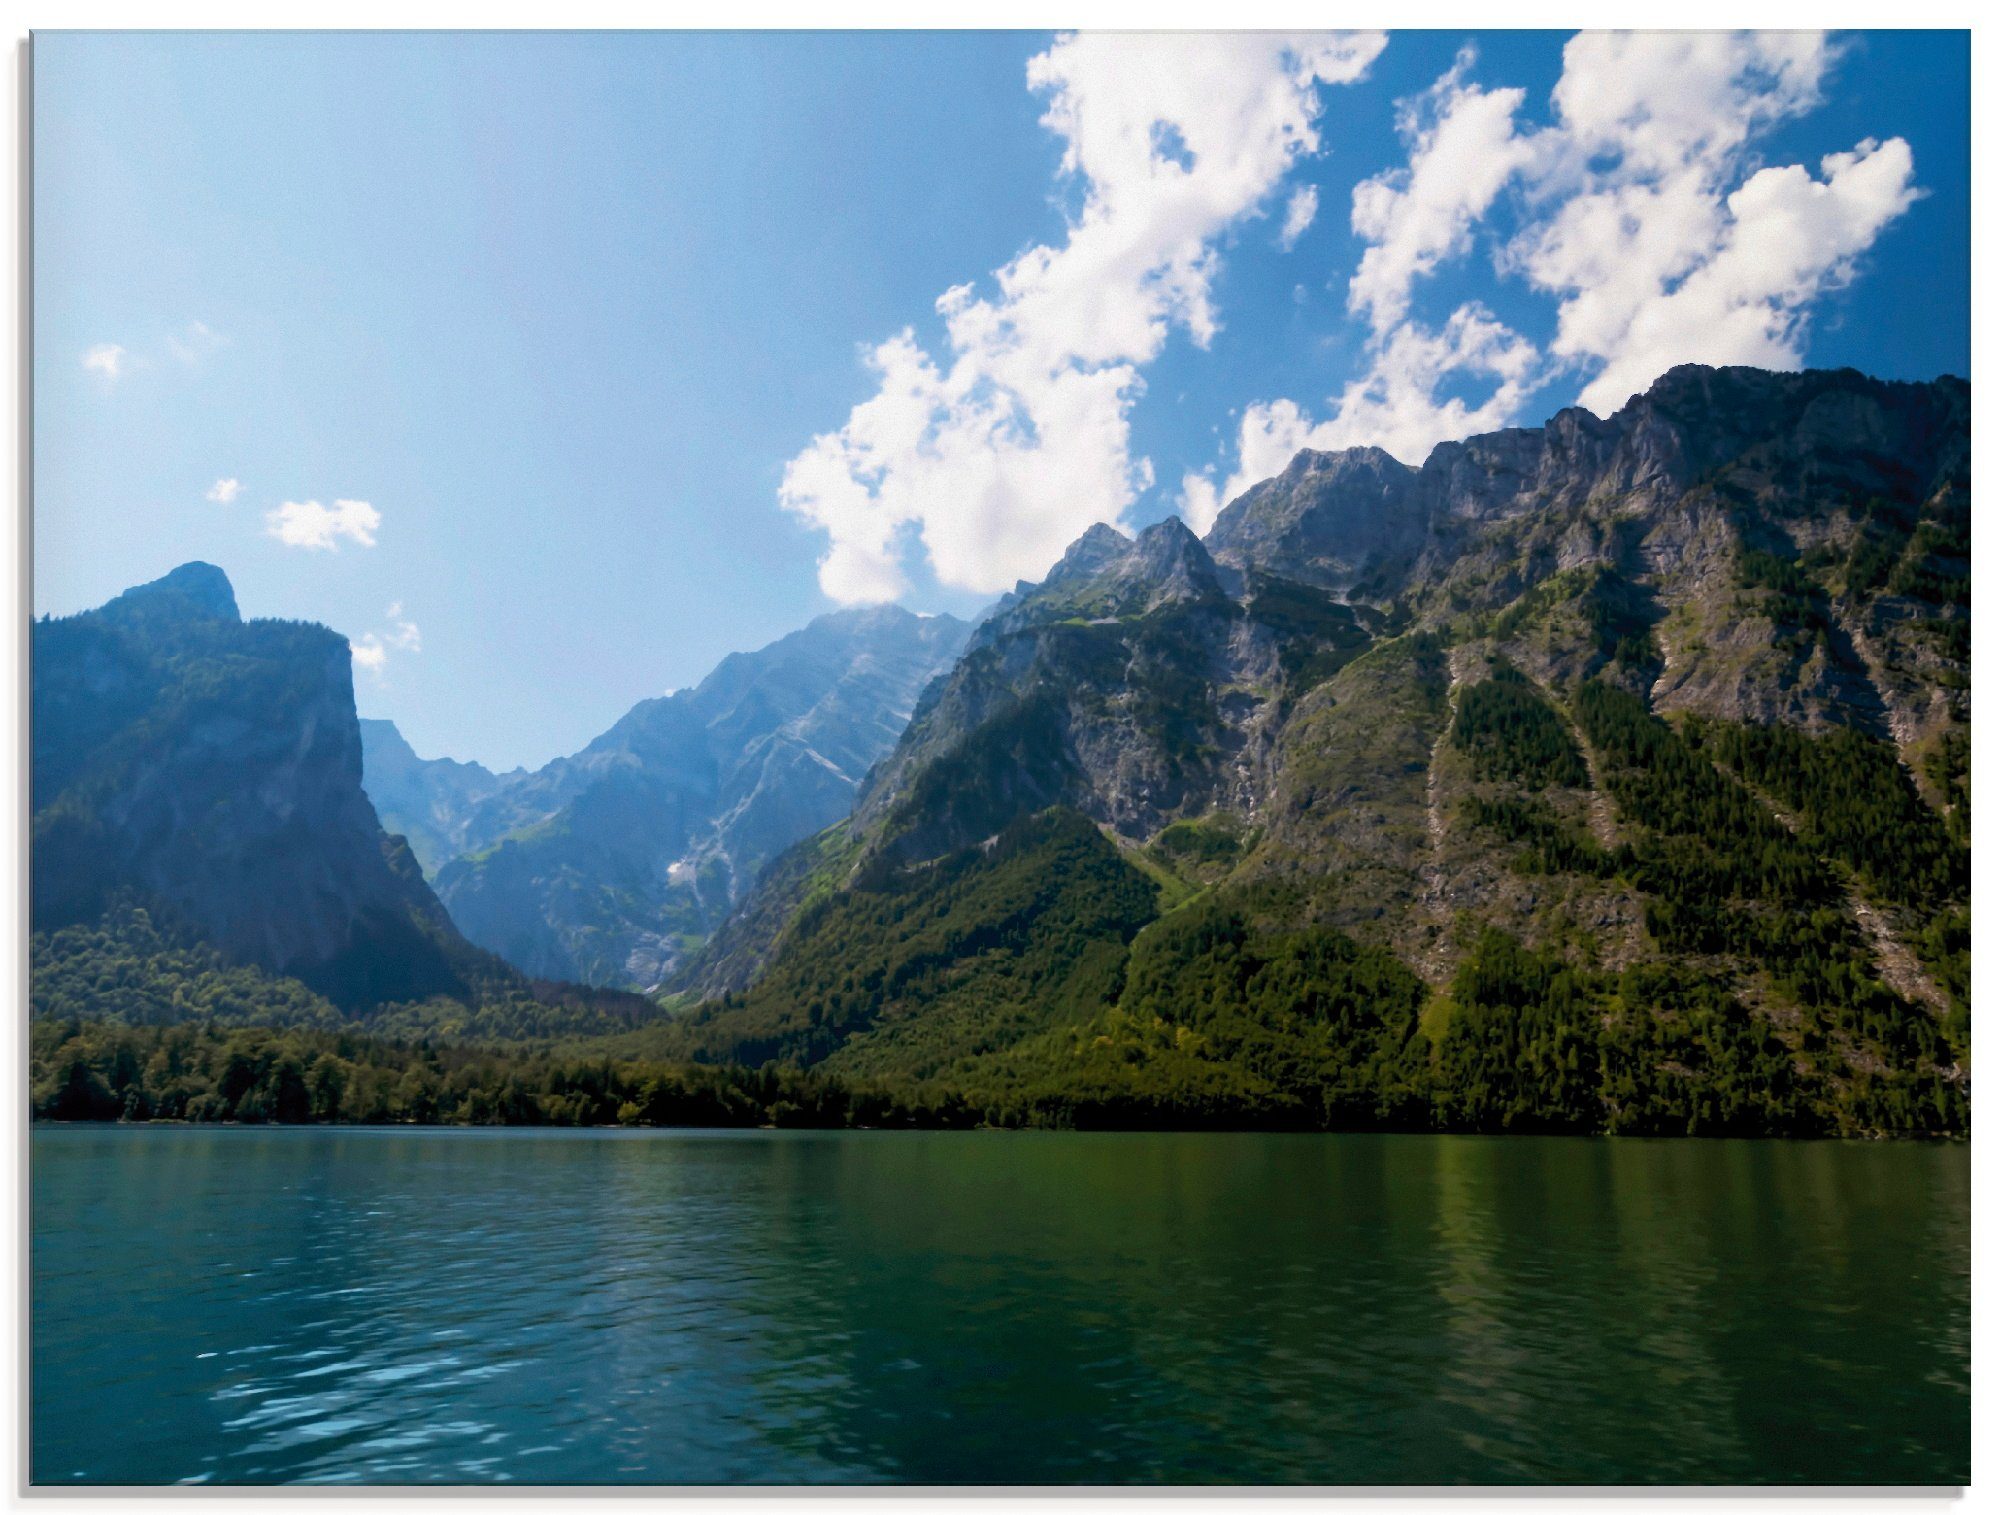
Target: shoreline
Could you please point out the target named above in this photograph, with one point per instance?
(1920, 1138)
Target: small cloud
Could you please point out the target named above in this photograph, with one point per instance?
(372, 648)
(190, 346)
(224, 491)
(311, 524)
(108, 360)
(1299, 213)
(194, 342)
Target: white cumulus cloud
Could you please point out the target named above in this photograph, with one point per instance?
(190, 345)
(403, 634)
(1658, 247)
(1655, 102)
(1785, 239)
(1641, 212)
(1201, 502)
(992, 453)
(224, 491)
(320, 527)
(1393, 405)
(1462, 151)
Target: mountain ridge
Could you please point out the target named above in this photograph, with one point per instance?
(1513, 732)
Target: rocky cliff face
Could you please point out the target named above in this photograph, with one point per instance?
(211, 768)
(1331, 519)
(1122, 684)
(1560, 682)
(607, 866)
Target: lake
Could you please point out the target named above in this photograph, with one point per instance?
(258, 1305)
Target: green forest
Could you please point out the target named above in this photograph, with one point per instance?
(202, 1071)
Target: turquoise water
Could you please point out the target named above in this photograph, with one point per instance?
(602, 1307)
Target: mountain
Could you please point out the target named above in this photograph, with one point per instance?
(208, 769)
(1330, 519)
(1607, 775)
(203, 849)
(430, 801)
(605, 867)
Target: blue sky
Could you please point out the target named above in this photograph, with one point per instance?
(549, 369)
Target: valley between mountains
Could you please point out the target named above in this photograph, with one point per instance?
(1607, 776)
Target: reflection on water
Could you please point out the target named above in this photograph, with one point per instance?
(606, 1307)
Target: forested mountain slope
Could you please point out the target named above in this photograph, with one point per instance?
(202, 847)
(1609, 775)
(211, 768)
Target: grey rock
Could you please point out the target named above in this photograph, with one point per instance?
(607, 866)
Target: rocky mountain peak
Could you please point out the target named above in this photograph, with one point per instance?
(1327, 518)
(1170, 536)
(865, 620)
(193, 591)
(1349, 463)
(1106, 574)
(1169, 560)
(1091, 553)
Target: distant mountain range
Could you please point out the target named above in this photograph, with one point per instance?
(431, 802)
(1608, 775)
(606, 867)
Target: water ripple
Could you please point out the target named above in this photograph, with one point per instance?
(470, 1307)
